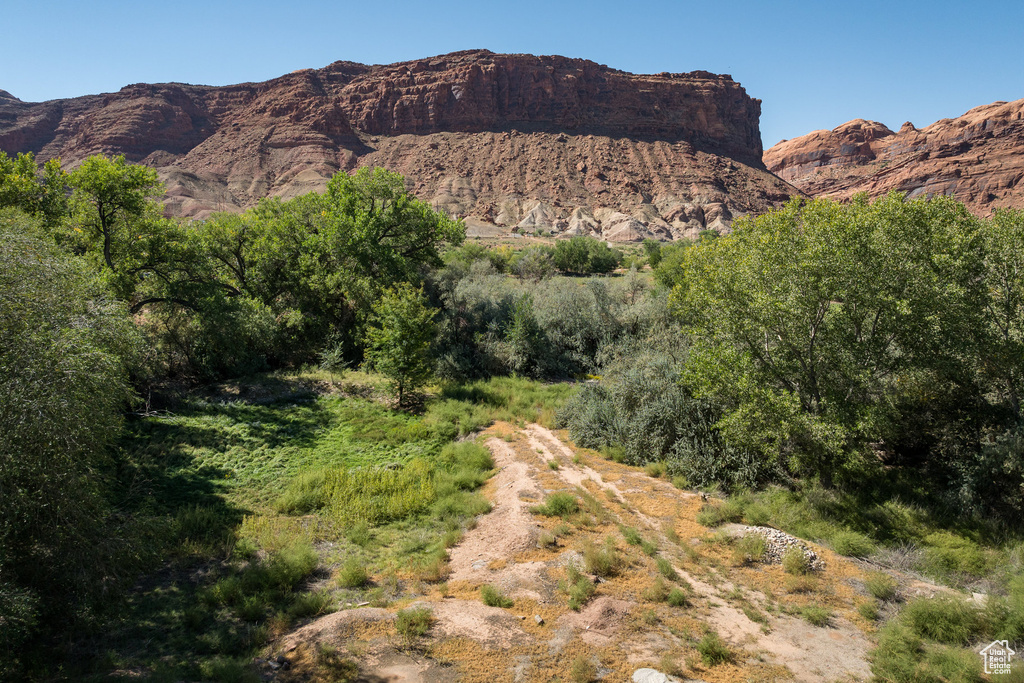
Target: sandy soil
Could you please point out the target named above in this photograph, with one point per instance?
(619, 629)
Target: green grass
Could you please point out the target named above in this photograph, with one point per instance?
(353, 574)
(492, 597)
(558, 504)
(414, 622)
(677, 598)
(795, 562)
(749, 549)
(713, 649)
(880, 585)
(713, 515)
(579, 588)
(235, 485)
(896, 520)
(852, 544)
(666, 569)
(602, 561)
(816, 615)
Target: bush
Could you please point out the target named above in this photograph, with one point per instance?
(816, 615)
(852, 544)
(492, 597)
(578, 587)
(868, 609)
(901, 656)
(678, 598)
(880, 585)
(666, 569)
(794, 561)
(947, 620)
(583, 670)
(947, 555)
(414, 622)
(713, 515)
(657, 591)
(750, 548)
(559, 504)
(311, 604)
(713, 649)
(353, 574)
(656, 469)
(600, 561)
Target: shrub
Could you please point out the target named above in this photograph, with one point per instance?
(678, 598)
(578, 587)
(800, 584)
(353, 574)
(666, 569)
(852, 544)
(902, 656)
(359, 534)
(583, 670)
(948, 620)
(559, 504)
(794, 561)
(756, 514)
(947, 555)
(414, 622)
(657, 591)
(715, 515)
(713, 649)
(631, 535)
(600, 561)
(492, 597)
(868, 609)
(880, 585)
(656, 469)
(680, 482)
(816, 615)
(311, 604)
(750, 548)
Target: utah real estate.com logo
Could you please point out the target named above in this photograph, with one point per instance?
(997, 657)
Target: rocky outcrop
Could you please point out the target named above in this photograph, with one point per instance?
(476, 133)
(977, 158)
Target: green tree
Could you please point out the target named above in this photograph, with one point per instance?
(22, 186)
(1004, 272)
(811, 321)
(653, 250)
(63, 373)
(399, 340)
(572, 255)
(582, 255)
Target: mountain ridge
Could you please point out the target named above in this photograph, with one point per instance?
(977, 157)
(478, 134)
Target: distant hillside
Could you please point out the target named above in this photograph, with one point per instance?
(547, 142)
(977, 158)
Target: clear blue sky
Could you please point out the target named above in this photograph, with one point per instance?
(814, 64)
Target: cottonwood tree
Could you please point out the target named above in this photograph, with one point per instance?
(819, 325)
(399, 339)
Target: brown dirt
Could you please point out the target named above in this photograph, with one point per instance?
(619, 628)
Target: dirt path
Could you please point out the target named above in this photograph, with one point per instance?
(621, 628)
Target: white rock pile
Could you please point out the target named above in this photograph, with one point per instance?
(779, 542)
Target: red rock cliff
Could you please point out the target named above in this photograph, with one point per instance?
(977, 158)
(499, 137)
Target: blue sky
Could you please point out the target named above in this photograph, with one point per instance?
(813, 64)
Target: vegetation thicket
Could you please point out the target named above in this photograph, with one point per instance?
(851, 373)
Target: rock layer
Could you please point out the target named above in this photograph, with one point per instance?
(977, 158)
(476, 133)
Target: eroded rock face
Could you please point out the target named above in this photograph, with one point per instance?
(977, 158)
(475, 133)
